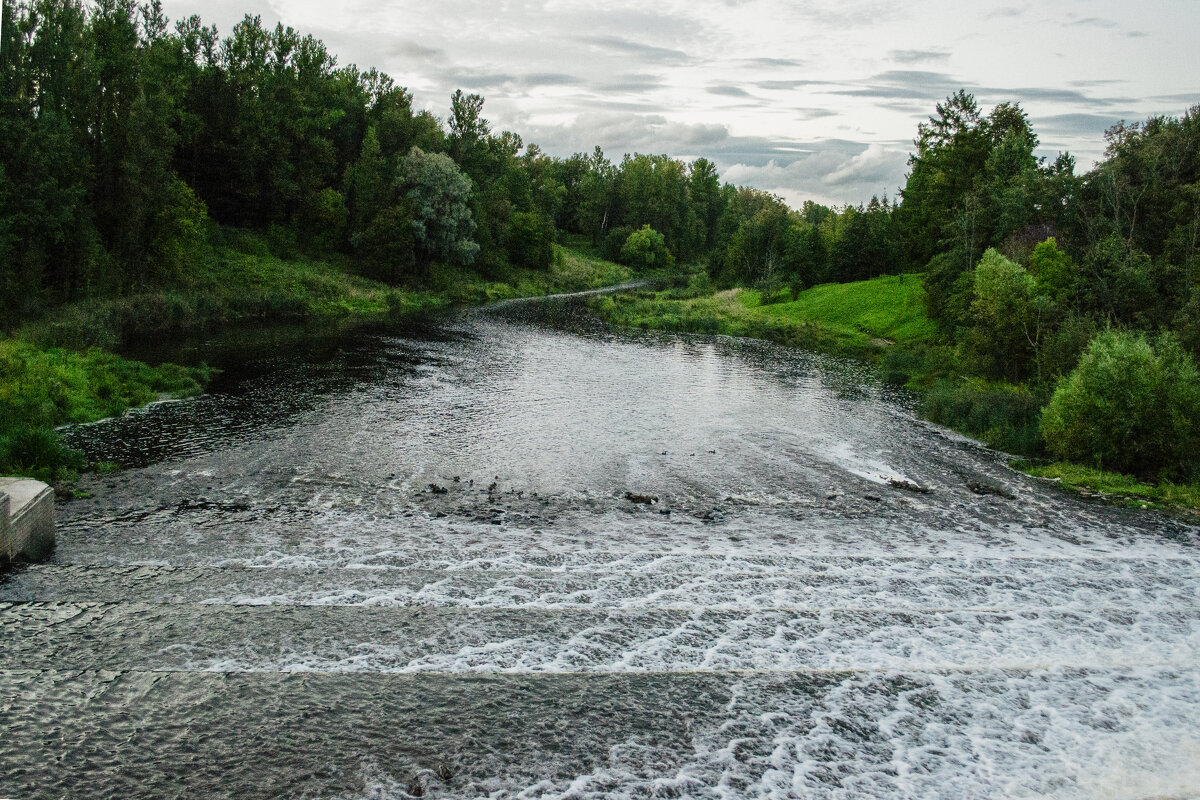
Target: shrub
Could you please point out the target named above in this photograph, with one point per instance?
(613, 241)
(646, 248)
(1128, 406)
(38, 453)
(1004, 416)
(530, 240)
(998, 341)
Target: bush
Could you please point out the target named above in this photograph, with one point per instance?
(38, 453)
(1003, 416)
(614, 240)
(530, 240)
(646, 248)
(1129, 406)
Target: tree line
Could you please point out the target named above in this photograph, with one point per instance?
(125, 141)
(127, 144)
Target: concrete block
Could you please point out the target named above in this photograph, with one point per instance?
(26, 519)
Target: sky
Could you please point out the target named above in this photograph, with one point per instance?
(810, 99)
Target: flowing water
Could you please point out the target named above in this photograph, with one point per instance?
(404, 563)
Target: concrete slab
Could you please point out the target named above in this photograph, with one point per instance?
(26, 519)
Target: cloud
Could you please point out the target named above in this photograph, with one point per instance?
(1080, 124)
(773, 63)
(832, 172)
(1094, 22)
(632, 83)
(916, 56)
(872, 165)
(411, 49)
(648, 52)
(789, 85)
(728, 91)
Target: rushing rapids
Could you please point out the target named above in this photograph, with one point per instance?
(411, 563)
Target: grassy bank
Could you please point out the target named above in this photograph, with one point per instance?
(864, 319)
(41, 389)
(857, 319)
(246, 282)
(60, 369)
(1124, 490)
(883, 321)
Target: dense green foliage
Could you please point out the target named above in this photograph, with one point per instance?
(1129, 406)
(43, 388)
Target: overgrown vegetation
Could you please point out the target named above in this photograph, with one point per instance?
(41, 389)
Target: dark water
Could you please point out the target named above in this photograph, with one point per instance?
(275, 603)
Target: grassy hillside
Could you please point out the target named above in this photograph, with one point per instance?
(891, 308)
(859, 319)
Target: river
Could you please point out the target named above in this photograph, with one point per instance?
(403, 562)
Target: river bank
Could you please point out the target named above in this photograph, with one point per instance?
(882, 321)
(64, 368)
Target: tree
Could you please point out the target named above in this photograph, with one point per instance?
(440, 193)
(646, 248)
(1005, 330)
(1129, 406)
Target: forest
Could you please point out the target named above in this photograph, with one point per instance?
(138, 155)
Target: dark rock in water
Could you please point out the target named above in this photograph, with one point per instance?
(644, 499)
(433, 487)
(443, 771)
(872, 498)
(988, 489)
(908, 486)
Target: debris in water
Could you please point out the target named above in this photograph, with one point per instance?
(986, 489)
(644, 499)
(907, 485)
(443, 771)
(433, 487)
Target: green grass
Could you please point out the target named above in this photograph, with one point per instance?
(859, 319)
(42, 388)
(1124, 490)
(890, 308)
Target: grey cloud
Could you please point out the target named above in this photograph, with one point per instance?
(1092, 125)
(633, 82)
(415, 50)
(1095, 22)
(649, 52)
(482, 79)
(1187, 98)
(917, 56)
(728, 91)
(906, 84)
(788, 85)
(773, 63)
(548, 79)
(472, 80)
(1007, 11)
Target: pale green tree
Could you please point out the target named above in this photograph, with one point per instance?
(443, 228)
